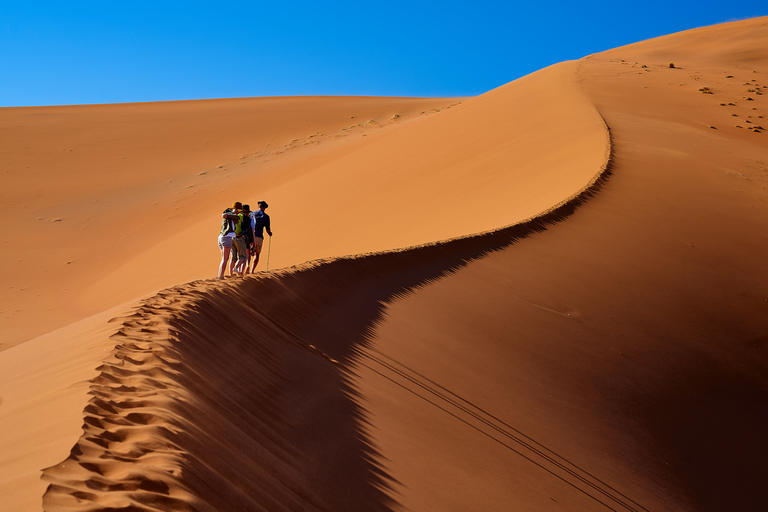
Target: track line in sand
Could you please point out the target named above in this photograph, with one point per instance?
(485, 422)
(464, 411)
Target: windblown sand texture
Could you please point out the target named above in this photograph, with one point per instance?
(549, 297)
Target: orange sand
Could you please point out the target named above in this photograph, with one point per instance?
(570, 310)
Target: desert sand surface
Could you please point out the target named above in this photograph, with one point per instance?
(552, 296)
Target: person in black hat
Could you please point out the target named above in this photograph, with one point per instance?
(261, 223)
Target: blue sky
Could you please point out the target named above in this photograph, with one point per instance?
(76, 52)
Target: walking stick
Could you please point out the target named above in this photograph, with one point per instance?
(269, 250)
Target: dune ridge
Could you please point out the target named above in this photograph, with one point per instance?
(152, 424)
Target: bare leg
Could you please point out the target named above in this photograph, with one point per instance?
(256, 253)
(224, 259)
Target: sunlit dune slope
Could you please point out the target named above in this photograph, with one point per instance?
(97, 185)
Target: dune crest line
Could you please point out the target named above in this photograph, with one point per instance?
(194, 412)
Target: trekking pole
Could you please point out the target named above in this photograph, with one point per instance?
(269, 250)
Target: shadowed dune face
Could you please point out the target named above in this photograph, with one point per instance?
(195, 415)
(691, 147)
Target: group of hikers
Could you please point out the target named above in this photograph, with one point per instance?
(242, 236)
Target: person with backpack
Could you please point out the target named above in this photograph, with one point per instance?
(226, 236)
(239, 243)
(261, 223)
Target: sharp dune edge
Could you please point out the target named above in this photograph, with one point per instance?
(608, 353)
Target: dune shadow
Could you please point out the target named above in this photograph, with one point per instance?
(711, 424)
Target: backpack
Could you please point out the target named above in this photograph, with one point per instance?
(242, 224)
(227, 224)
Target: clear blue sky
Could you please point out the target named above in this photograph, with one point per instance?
(75, 52)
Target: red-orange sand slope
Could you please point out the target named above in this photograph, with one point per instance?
(568, 310)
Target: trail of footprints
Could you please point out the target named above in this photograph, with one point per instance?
(268, 152)
(753, 89)
(740, 93)
(126, 459)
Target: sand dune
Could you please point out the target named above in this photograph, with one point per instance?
(580, 325)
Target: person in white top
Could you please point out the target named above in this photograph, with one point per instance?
(226, 236)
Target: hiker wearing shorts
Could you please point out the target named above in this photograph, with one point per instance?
(239, 245)
(261, 223)
(226, 236)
